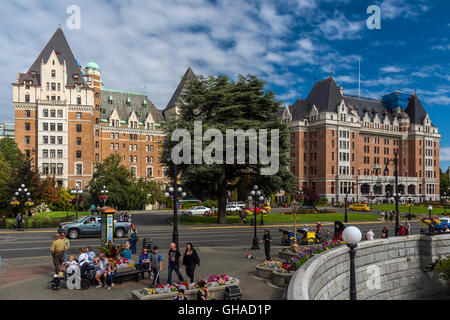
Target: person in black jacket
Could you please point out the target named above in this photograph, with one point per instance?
(190, 261)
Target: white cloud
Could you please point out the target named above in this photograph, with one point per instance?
(391, 69)
(339, 27)
(444, 154)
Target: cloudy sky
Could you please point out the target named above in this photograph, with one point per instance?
(288, 43)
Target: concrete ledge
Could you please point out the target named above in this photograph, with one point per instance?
(385, 269)
(263, 272)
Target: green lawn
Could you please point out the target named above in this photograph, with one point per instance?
(275, 218)
(404, 208)
(58, 214)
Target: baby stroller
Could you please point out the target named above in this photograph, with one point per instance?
(86, 278)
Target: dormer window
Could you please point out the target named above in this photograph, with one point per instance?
(144, 103)
(110, 100)
(128, 101)
(27, 85)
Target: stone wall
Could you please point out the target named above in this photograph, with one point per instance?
(400, 263)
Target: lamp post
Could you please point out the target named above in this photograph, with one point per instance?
(175, 191)
(346, 200)
(104, 193)
(76, 192)
(409, 207)
(22, 194)
(396, 193)
(255, 195)
(430, 226)
(352, 235)
(445, 197)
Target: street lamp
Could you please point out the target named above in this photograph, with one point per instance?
(255, 195)
(346, 200)
(77, 200)
(352, 235)
(396, 193)
(22, 194)
(409, 207)
(445, 197)
(175, 191)
(104, 193)
(430, 226)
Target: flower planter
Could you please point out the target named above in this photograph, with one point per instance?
(264, 272)
(216, 293)
(286, 254)
(281, 279)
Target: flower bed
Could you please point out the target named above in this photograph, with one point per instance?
(281, 277)
(305, 254)
(216, 286)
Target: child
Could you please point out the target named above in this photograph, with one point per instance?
(71, 265)
(180, 295)
(111, 268)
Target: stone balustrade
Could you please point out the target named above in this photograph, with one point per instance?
(393, 268)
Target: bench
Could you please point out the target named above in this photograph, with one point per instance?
(135, 273)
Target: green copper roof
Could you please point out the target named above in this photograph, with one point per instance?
(124, 92)
(93, 65)
(104, 120)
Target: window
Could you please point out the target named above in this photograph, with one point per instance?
(53, 86)
(27, 98)
(112, 146)
(45, 139)
(79, 115)
(59, 86)
(60, 127)
(45, 168)
(27, 126)
(52, 153)
(59, 169)
(78, 154)
(78, 141)
(45, 113)
(52, 127)
(45, 153)
(79, 169)
(27, 113)
(78, 100)
(45, 126)
(149, 172)
(60, 140)
(60, 113)
(59, 154)
(52, 140)
(27, 140)
(78, 127)
(53, 73)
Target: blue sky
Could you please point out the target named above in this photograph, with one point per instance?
(287, 43)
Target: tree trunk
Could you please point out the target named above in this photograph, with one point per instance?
(222, 213)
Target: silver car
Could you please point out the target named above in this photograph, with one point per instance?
(196, 211)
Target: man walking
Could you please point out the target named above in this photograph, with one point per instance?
(174, 263)
(57, 249)
(156, 264)
(407, 228)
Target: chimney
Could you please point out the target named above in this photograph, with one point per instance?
(341, 90)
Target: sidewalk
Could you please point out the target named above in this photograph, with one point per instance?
(21, 280)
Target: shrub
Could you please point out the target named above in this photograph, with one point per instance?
(443, 268)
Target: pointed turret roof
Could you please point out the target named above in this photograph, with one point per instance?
(58, 43)
(189, 74)
(415, 110)
(325, 95)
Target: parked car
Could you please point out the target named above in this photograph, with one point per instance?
(443, 225)
(91, 226)
(233, 208)
(359, 207)
(196, 211)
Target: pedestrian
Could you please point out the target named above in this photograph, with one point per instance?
(190, 261)
(133, 240)
(407, 228)
(174, 263)
(144, 262)
(111, 269)
(391, 216)
(57, 249)
(385, 233)
(180, 295)
(19, 221)
(267, 239)
(370, 235)
(92, 209)
(202, 293)
(318, 228)
(156, 264)
(67, 242)
(102, 271)
(401, 230)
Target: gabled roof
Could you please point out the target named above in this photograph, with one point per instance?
(136, 104)
(59, 44)
(189, 74)
(325, 95)
(415, 110)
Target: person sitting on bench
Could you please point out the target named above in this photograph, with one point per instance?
(144, 262)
